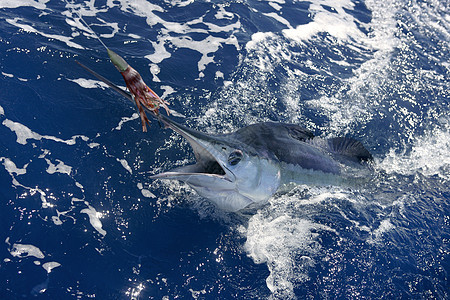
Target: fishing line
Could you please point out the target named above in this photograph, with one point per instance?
(87, 25)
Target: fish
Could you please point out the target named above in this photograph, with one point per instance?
(247, 167)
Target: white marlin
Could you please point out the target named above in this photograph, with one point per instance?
(250, 165)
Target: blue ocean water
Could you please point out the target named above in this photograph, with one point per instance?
(80, 219)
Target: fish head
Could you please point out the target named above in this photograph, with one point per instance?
(226, 172)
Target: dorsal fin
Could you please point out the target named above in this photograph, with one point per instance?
(350, 148)
(299, 133)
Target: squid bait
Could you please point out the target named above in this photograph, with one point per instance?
(141, 93)
(143, 96)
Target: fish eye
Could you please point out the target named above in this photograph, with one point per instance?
(235, 157)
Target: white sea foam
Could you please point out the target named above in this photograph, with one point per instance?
(323, 195)
(40, 288)
(146, 193)
(61, 167)
(125, 164)
(154, 69)
(34, 190)
(24, 134)
(11, 167)
(197, 294)
(176, 114)
(349, 105)
(275, 5)
(167, 90)
(279, 18)
(206, 47)
(79, 185)
(8, 75)
(160, 52)
(126, 119)
(56, 220)
(25, 250)
(40, 4)
(28, 28)
(258, 38)
(94, 219)
(49, 266)
(89, 83)
(93, 145)
(88, 8)
(134, 36)
(268, 51)
(338, 23)
(14, 171)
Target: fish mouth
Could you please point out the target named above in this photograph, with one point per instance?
(210, 161)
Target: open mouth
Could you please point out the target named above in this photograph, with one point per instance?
(204, 166)
(211, 167)
(207, 158)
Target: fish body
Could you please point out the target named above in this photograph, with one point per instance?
(248, 166)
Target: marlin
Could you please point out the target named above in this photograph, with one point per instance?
(247, 167)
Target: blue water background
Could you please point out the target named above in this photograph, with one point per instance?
(378, 72)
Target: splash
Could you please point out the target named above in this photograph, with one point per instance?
(429, 155)
(286, 244)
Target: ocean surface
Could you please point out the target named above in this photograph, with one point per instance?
(80, 219)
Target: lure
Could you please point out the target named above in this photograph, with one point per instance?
(141, 93)
(143, 96)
